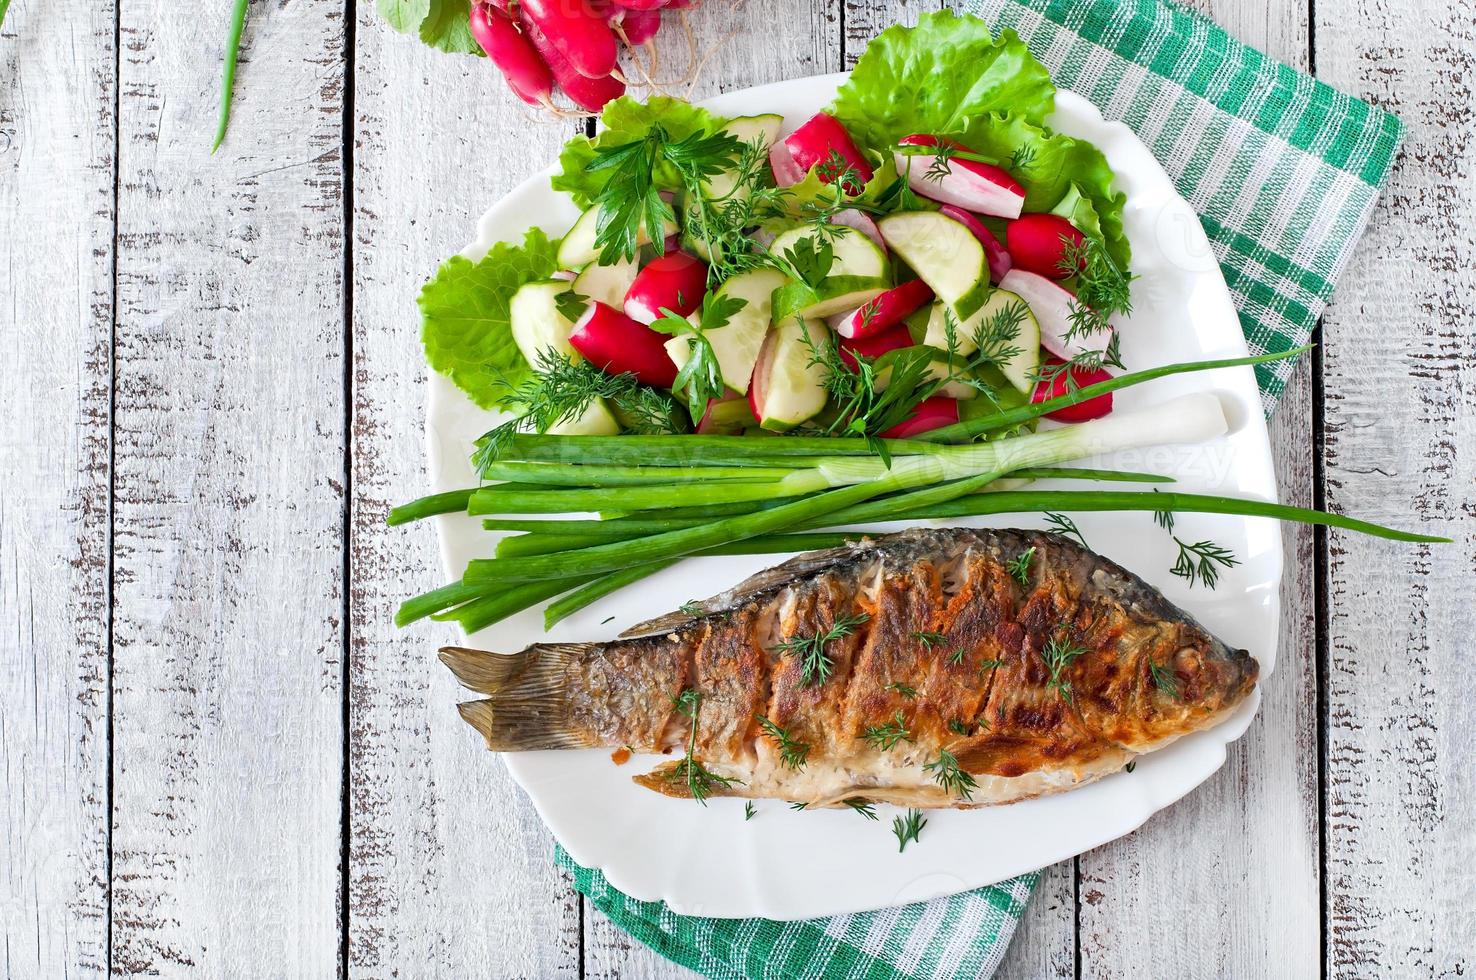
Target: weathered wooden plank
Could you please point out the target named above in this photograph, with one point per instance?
(450, 870)
(57, 86)
(1225, 883)
(750, 51)
(229, 436)
(1401, 447)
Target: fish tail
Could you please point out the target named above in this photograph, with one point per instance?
(528, 696)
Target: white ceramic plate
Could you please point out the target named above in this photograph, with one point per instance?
(790, 865)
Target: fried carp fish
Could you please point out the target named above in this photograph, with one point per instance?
(931, 668)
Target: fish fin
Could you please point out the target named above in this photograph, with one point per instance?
(527, 705)
(665, 779)
(800, 566)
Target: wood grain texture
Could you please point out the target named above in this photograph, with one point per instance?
(1225, 882)
(229, 496)
(450, 870)
(745, 50)
(1401, 447)
(56, 318)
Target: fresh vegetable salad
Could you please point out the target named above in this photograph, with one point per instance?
(923, 252)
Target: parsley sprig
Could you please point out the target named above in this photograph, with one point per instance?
(701, 377)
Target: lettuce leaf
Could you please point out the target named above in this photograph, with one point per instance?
(464, 316)
(939, 76)
(624, 121)
(1078, 209)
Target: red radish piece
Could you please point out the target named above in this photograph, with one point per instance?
(875, 345)
(578, 31)
(670, 244)
(1038, 242)
(589, 94)
(675, 281)
(567, 274)
(971, 185)
(787, 173)
(1092, 408)
(887, 310)
(638, 25)
(514, 55)
(998, 256)
(613, 342)
(861, 221)
(930, 413)
(1052, 306)
(814, 143)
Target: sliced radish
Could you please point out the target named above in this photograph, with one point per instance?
(975, 186)
(1038, 242)
(997, 254)
(614, 342)
(675, 281)
(861, 221)
(813, 144)
(787, 172)
(1092, 408)
(875, 345)
(887, 310)
(930, 413)
(1052, 306)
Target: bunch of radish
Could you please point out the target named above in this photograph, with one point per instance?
(571, 45)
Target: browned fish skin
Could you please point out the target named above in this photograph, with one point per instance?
(982, 693)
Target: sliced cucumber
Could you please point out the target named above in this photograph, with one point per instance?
(737, 344)
(855, 254)
(1019, 369)
(607, 283)
(836, 294)
(578, 246)
(597, 420)
(789, 385)
(746, 129)
(943, 253)
(537, 324)
(937, 371)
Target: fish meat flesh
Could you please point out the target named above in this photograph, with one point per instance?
(947, 667)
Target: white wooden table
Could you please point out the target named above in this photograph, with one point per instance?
(220, 759)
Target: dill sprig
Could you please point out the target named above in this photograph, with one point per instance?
(691, 607)
(560, 391)
(862, 806)
(1019, 566)
(1164, 678)
(699, 779)
(748, 811)
(906, 690)
(1102, 289)
(908, 828)
(1022, 158)
(1198, 561)
(796, 805)
(1164, 518)
(994, 338)
(929, 640)
(1065, 525)
(792, 752)
(948, 774)
(815, 663)
(957, 727)
(1059, 653)
(885, 737)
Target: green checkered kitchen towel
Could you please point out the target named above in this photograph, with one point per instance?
(1283, 172)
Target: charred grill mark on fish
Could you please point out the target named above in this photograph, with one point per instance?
(941, 634)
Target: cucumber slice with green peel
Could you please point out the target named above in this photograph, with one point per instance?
(577, 249)
(943, 253)
(855, 254)
(607, 283)
(596, 420)
(1018, 370)
(835, 294)
(537, 325)
(788, 382)
(736, 345)
(763, 130)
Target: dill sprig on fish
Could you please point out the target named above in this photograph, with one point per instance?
(908, 828)
(811, 649)
(791, 752)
